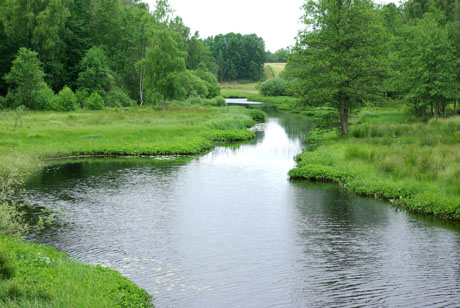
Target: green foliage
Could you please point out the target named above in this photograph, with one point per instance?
(94, 102)
(257, 115)
(7, 265)
(95, 74)
(273, 87)
(41, 276)
(65, 100)
(280, 56)
(415, 165)
(164, 62)
(339, 59)
(129, 131)
(118, 98)
(238, 56)
(429, 56)
(27, 81)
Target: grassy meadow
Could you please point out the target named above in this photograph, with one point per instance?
(391, 155)
(35, 136)
(273, 70)
(37, 276)
(246, 89)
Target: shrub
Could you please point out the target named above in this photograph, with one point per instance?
(257, 115)
(45, 98)
(118, 98)
(194, 100)
(65, 100)
(82, 95)
(273, 87)
(94, 102)
(217, 101)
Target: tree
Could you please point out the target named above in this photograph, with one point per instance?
(338, 59)
(429, 58)
(238, 56)
(164, 62)
(26, 79)
(95, 74)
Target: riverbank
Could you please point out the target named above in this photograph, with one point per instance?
(28, 139)
(37, 276)
(390, 155)
(33, 275)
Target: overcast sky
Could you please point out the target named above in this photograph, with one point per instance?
(276, 21)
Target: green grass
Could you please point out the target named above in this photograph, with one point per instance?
(273, 70)
(238, 90)
(390, 155)
(37, 276)
(135, 131)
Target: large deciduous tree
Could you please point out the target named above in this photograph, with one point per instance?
(164, 62)
(338, 58)
(26, 80)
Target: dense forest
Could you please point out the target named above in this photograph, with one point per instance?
(356, 53)
(114, 53)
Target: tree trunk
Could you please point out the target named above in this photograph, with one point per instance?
(343, 112)
(141, 86)
(424, 113)
(432, 113)
(141, 77)
(444, 109)
(436, 114)
(164, 102)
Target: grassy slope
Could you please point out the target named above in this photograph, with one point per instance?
(273, 70)
(37, 276)
(249, 90)
(391, 156)
(134, 131)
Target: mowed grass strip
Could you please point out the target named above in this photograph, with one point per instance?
(134, 131)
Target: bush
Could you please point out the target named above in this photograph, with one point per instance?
(94, 102)
(194, 100)
(218, 101)
(118, 98)
(273, 87)
(45, 98)
(257, 115)
(11, 219)
(82, 96)
(65, 100)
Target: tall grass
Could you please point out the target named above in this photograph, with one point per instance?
(412, 164)
(133, 131)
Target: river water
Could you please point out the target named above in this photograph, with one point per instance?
(229, 229)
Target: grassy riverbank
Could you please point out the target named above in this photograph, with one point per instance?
(134, 131)
(37, 276)
(390, 155)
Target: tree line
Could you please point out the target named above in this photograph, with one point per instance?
(111, 52)
(355, 52)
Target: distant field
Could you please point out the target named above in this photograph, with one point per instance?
(236, 89)
(273, 70)
(242, 89)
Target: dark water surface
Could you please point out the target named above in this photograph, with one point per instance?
(229, 229)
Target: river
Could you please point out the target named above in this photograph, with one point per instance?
(229, 229)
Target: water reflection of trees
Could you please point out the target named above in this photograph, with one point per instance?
(64, 174)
